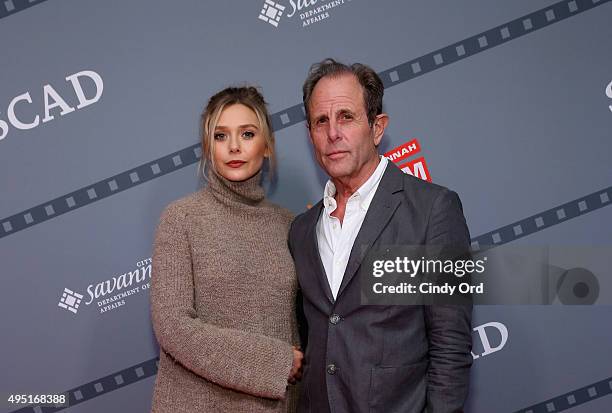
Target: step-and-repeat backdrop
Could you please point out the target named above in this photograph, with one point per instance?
(509, 103)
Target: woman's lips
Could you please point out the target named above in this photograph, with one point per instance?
(235, 164)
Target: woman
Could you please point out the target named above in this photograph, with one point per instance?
(223, 281)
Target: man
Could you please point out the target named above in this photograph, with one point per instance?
(362, 358)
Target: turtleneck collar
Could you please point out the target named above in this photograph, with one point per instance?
(248, 192)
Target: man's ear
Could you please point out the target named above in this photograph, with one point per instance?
(380, 124)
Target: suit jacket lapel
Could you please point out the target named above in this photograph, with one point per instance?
(312, 250)
(380, 211)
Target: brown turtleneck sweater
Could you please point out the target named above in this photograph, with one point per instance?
(223, 301)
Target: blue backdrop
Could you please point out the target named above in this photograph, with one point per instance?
(510, 102)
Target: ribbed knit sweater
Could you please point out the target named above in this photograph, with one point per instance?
(223, 301)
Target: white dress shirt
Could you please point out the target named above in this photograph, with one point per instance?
(336, 240)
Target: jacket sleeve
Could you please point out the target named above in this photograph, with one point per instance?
(247, 362)
(448, 326)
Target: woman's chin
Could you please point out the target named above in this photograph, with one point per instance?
(237, 175)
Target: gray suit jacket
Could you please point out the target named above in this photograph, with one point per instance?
(383, 358)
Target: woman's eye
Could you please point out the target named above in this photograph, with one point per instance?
(219, 136)
(248, 134)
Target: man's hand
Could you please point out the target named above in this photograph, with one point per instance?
(296, 370)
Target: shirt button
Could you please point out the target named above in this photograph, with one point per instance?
(332, 369)
(334, 319)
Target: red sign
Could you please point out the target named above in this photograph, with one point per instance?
(403, 151)
(418, 168)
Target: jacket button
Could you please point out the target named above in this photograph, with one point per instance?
(334, 319)
(332, 369)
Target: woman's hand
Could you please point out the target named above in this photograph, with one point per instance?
(296, 370)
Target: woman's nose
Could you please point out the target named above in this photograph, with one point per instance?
(234, 144)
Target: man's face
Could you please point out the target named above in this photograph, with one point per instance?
(342, 138)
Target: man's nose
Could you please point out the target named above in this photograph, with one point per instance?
(333, 131)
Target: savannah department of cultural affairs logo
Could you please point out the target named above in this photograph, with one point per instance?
(111, 293)
(271, 12)
(307, 11)
(70, 300)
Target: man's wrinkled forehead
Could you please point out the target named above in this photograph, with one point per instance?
(337, 92)
(334, 105)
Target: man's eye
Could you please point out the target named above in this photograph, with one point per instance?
(248, 134)
(219, 136)
(346, 116)
(321, 121)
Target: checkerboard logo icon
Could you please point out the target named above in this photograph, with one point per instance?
(271, 12)
(70, 300)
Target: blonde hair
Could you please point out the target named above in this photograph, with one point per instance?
(248, 96)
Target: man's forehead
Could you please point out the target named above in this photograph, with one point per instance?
(345, 83)
(337, 92)
(335, 103)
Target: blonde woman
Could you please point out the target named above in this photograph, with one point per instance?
(223, 282)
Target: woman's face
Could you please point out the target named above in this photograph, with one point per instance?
(239, 146)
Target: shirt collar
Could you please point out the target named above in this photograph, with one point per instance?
(364, 193)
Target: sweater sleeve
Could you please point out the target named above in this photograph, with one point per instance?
(247, 362)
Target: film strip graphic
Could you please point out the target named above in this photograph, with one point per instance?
(100, 190)
(500, 236)
(543, 220)
(100, 386)
(572, 399)
(486, 40)
(8, 7)
(295, 114)
(149, 368)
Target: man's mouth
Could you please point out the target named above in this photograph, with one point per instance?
(336, 154)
